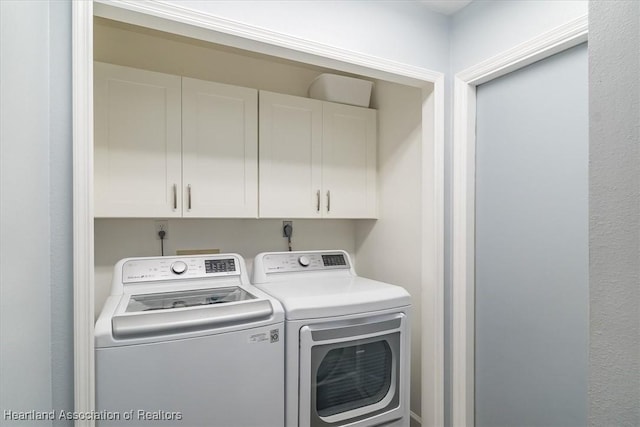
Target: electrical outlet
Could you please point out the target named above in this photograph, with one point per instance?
(162, 225)
(285, 223)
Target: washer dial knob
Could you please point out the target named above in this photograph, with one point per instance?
(178, 267)
(304, 261)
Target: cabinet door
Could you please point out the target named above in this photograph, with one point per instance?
(290, 156)
(349, 162)
(137, 142)
(219, 150)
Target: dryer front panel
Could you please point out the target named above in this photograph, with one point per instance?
(351, 371)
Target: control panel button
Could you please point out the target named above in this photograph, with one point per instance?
(304, 261)
(178, 267)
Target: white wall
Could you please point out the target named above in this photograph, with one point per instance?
(36, 354)
(390, 248)
(614, 211)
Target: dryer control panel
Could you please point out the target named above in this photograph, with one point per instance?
(304, 261)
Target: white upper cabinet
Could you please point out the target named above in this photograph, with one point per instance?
(349, 161)
(168, 146)
(290, 156)
(219, 150)
(317, 159)
(137, 169)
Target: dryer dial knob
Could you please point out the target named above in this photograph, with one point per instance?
(304, 261)
(178, 267)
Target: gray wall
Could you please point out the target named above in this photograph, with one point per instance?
(36, 330)
(532, 245)
(614, 210)
(61, 206)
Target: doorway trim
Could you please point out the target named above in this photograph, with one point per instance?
(83, 247)
(557, 40)
(178, 20)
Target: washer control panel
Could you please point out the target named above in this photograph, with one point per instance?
(292, 262)
(167, 268)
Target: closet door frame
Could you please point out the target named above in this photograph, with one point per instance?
(557, 40)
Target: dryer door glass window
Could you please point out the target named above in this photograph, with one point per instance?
(352, 377)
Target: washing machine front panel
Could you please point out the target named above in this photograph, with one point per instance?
(225, 380)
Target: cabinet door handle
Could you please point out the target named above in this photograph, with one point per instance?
(189, 197)
(318, 201)
(328, 201)
(175, 197)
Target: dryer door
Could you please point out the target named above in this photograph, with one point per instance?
(353, 372)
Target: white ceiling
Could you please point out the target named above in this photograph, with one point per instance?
(447, 7)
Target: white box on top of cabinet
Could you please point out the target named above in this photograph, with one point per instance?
(317, 159)
(171, 146)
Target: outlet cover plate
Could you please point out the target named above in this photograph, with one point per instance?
(161, 225)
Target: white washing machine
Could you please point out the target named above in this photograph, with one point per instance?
(189, 341)
(347, 340)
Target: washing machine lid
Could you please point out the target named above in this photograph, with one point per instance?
(320, 297)
(190, 298)
(149, 315)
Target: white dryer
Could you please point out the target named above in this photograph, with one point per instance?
(347, 340)
(188, 341)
